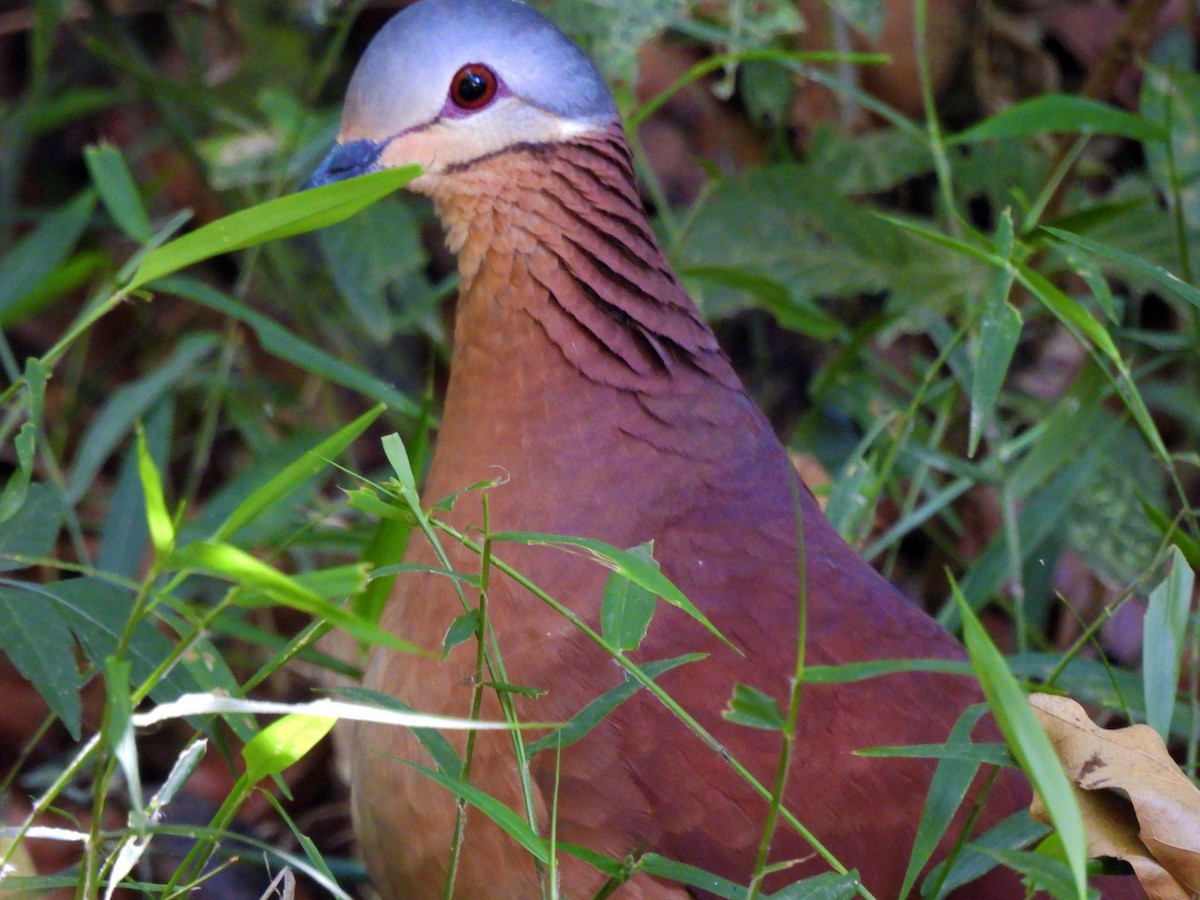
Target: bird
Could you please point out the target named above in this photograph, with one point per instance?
(585, 383)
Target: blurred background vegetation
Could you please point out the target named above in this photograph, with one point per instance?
(860, 214)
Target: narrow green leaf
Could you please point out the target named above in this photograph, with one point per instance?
(1015, 832)
(1171, 530)
(236, 565)
(875, 668)
(1061, 114)
(162, 527)
(279, 218)
(992, 754)
(595, 711)
(117, 189)
(433, 741)
(1163, 638)
(751, 707)
(36, 256)
(511, 823)
(283, 743)
(951, 780)
(1042, 873)
(993, 349)
(627, 607)
(1027, 741)
(118, 731)
(295, 474)
(661, 867)
(829, 886)
(397, 455)
(633, 567)
(1132, 264)
(1069, 311)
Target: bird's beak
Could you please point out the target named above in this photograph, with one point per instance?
(345, 161)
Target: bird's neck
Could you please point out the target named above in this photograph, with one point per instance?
(571, 325)
(559, 233)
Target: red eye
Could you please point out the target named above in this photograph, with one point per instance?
(473, 86)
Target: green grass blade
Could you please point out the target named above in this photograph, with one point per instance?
(1027, 741)
(1061, 114)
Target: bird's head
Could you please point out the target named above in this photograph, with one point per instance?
(448, 82)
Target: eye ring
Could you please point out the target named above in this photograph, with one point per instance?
(473, 87)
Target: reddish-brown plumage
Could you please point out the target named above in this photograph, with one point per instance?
(584, 374)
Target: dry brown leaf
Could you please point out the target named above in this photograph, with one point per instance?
(1137, 805)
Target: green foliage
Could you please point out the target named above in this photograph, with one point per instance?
(193, 494)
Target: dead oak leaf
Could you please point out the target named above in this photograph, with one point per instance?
(1137, 805)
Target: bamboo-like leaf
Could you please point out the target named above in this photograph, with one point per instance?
(292, 476)
(278, 218)
(1061, 114)
(162, 527)
(1027, 741)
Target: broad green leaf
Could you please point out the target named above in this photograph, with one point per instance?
(117, 189)
(283, 743)
(367, 253)
(280, 342)
(636, 569)
(297, 473)
(1027, 741)
(627, 607)
(98, 611)
(31, 532)
(1061, 114)
(751, 707)
(279, 218)
(595, 711)
(36, 256)
(1163, 639)
(39, 644)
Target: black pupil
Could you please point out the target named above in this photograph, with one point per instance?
(471, 87)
